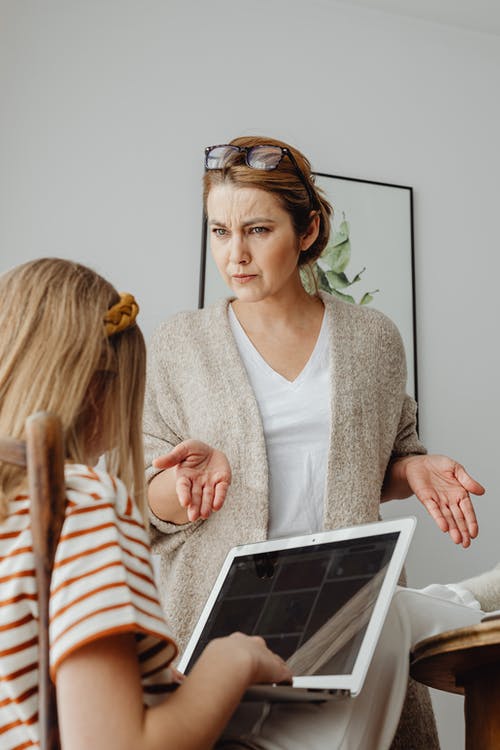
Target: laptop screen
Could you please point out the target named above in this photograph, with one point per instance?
(312, 605)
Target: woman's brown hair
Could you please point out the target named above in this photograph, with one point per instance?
(284, 183)
(55, 356)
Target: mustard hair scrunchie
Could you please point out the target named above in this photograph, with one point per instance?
(122, 315)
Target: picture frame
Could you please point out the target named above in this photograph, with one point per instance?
(370, 257)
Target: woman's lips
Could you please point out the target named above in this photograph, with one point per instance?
(243, 278)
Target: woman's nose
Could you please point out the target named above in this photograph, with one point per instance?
(238, 252)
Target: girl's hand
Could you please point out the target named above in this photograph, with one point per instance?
(442, 485)
(264, 665)
(202, 474)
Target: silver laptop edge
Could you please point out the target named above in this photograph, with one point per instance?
(314, 686)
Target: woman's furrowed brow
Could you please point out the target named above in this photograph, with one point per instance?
(248, 222)
(258, 220)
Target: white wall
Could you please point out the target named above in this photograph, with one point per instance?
(106, 107)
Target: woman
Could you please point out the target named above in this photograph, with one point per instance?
(70, 345)
(298, 401)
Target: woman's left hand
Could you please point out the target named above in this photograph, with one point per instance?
(442, 485)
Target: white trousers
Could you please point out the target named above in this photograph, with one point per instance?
(370, 720)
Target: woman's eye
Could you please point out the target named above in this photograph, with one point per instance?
(259, 230)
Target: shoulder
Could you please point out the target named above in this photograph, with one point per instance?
(361, 321)
(188, 333)
(89, 488)
(191, 320)
(99, 511)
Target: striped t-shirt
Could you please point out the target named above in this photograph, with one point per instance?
(102, 584)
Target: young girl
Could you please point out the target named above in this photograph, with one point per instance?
(70, 345)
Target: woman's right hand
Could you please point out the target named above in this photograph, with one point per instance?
(202, 477)
(264, 665)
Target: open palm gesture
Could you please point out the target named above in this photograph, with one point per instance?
(442, 485)
(202, 476)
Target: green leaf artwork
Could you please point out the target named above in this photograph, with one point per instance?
(329, 271)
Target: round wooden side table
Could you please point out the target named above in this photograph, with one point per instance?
(466, 661)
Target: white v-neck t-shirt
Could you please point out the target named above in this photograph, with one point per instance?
(296, 422)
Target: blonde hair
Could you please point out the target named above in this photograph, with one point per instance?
(55, 355)
(284, 183)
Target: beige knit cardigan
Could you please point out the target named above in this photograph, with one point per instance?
(197, 387)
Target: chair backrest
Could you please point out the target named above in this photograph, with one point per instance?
(43, 456)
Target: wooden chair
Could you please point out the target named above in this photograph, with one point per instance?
(43, 456)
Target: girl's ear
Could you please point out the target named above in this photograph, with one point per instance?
(311, 233)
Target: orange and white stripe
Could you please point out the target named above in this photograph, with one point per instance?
(102, 584)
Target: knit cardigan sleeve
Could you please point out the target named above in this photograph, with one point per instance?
(392, 357)
(486, 588)
(159, 435)
(407, 442)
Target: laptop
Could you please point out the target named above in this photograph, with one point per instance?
(319, 601)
